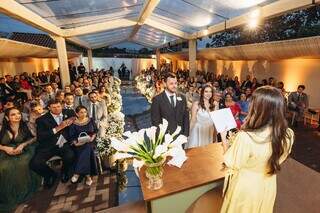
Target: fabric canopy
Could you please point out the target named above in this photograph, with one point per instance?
(15, 49)
(305, 47)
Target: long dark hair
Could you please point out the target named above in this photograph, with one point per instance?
(6, 124)
(211, 100)
(267, 107)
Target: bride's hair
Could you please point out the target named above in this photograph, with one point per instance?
(211, 100)
(267, 107)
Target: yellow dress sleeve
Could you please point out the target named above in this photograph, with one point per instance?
(289, 142)
(238, 154)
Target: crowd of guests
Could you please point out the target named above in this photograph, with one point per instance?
(39, 120)
(223, 91)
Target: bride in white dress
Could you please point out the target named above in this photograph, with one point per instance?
(202, 131)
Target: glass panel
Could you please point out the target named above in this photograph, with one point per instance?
(106, 36)
(74, 13)
(193, 15)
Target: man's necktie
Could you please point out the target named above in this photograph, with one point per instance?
(172, 100)
(94, 112)
(80, 101)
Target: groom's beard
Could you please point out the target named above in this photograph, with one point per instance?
(173, 92)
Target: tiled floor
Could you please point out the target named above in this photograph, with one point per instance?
(74, 197)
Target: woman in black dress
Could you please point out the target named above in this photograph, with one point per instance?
(85, 164)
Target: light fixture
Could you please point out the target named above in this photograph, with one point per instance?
(254, 18)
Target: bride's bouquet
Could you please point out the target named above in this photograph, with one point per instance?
(151, 147)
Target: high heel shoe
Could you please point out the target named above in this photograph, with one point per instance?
(88, 181)
(75, 179)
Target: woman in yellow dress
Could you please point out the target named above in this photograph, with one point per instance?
(253, 156)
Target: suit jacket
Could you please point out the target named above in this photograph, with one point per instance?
(177, 116)
(45, 124)
(294, 97)
(84, 100)
(101, 112)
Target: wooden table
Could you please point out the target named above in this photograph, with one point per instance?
(201, 172)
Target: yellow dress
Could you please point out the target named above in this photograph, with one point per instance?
(247, 187)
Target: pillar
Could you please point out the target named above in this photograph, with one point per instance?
(63, 60)
(174, 65)
(158, 59)
(193, 57)
(90, 61)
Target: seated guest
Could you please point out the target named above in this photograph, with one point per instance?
(60, 96)
(247, 83)
(17, 182)
(47, 95)
(69, 101)
(98, 112)
(53, 138)
(85, 157)
(244, 106)
(298, 102)
(103, 94)
(35, 97)
(80, 99)
(218, 101)
(36, 111)
(25, 86)
(234, 107)
(7, 104)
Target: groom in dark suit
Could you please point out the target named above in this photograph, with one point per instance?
(53, 138)
(171, 106)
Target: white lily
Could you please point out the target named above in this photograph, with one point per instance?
(163, 127)
(176, 151)
(181, 139)
(160, 150)
(131, 142)
(151, 133)
(178, 130)
(167, 139)
(120, 155)
(177, 161)
(119, 145)
(128, 134)
(137, 163)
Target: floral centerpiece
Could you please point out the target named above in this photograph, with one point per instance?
(150, 147)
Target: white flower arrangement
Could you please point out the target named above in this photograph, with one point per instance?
(142, 86)
(148, 147)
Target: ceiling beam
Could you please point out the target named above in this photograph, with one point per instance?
(148, 7)
(18, 11)
(99, 27)
(167, 29)
(267, 11)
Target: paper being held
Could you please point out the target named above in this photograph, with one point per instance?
(223, 120)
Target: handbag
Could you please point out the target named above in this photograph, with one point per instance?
(83, 138)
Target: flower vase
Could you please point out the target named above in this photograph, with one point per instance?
(154, 172)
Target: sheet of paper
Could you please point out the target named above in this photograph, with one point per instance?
(223, 120)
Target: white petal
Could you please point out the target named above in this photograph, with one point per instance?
(167, 139)
(181, 139)
(178, 130)
(161, 149)
(177, 161)
(119, 146)
(137, 163)
(119, 156)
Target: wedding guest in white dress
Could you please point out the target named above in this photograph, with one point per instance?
(202, 128)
